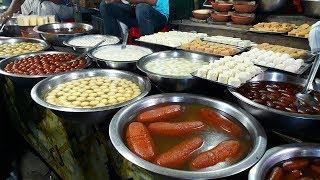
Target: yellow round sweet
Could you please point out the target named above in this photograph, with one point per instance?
(93, 92)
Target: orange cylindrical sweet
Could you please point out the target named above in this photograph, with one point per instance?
(139, 141)
(220, 153)
(175, 129)
(160, 114)
(221, 122)
(179, 154)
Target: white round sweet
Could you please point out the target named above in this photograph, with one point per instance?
(175, 66)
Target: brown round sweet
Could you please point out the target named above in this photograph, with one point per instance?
(45, 64)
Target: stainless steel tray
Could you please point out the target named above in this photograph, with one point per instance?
(86, 115)
(20, 39)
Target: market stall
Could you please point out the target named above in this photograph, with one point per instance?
(176, 104)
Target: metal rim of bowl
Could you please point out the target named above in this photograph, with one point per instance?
(23, 39)
(240, 97)
(105, 46)
(256, 153)
(43, 103)
(18, 58)
(142, 62)
(67, 42)
(259, 172)
(36, 29)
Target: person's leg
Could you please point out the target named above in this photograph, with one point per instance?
(149, 19)
(113, 12)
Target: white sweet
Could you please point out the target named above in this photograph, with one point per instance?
(270, 65)
(92, 40)
(280, 66)
(212, 75)
(202, 72)
(291, 68)
(286, 56)
(243, 76)
(115, 53)
(235, 82)
(223, 78)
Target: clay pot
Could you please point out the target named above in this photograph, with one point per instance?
(222, 7)
(220, 17)
(201, 14)
(241, 19)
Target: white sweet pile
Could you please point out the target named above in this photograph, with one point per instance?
(229, 70)
(175, 66)
(171, 38)
(92, 40)
(230, 41)
(115, 53)
(274, 60)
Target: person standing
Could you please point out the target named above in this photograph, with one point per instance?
(147, 15)
(62, 9)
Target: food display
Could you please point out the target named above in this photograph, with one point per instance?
(296, 168)
(230, 41)
(278, 95)
(34, 20)
(174, 66)
(171, 38)
(174, 136)
(218, 49)
(44, 64)
(273, 27)
(231, 71)
(67, 30)
(273, 60)
(301, 31)
(92, 40)
(293, 52)
(92, 92)
(116, 53)
(13, 49)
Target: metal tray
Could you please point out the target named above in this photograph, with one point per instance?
(257, 136)
(240, 50)
(86, 115)
(266, 32)
(20, 39)
(281, 153)
(300, 71)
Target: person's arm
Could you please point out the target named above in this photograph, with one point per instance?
(151, 2)
(13, 8)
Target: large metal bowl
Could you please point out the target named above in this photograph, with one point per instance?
(123, 65)
(57, 39)
(29, 80)
(20, 39)
(126, 115)
(86, 115)
(281, 153)
(84, 48)
(172, 83)
(294, 124)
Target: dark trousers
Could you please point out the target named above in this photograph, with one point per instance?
(142, 15)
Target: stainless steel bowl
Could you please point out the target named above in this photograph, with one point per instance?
(57, 39)
(20, 39)
(29, 80)
(172, 83)
(85, 48)
(123, 65)
(86, 115)
(311, 8)
(281, 153)
(126, 115)
(294, 124)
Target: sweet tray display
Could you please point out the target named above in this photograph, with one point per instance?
(211, 48)
(272, 27)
